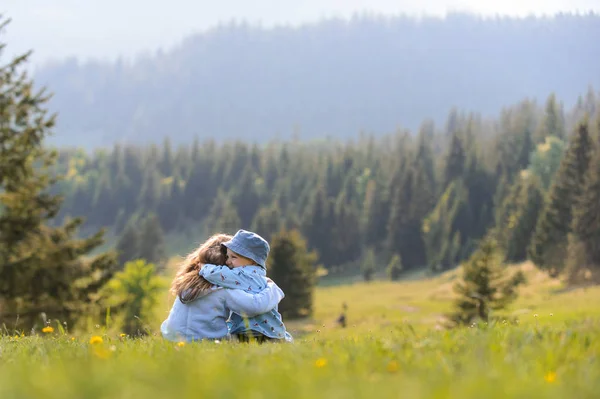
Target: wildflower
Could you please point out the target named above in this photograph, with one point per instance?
(320, 363)
(550, 377)
(47, 330)
(72, 338)
(392, 366)
(96, 340)
(535, 315)
(181, 344)
(101, 352)
(122, 335)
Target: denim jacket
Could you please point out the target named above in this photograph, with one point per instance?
(251, 279)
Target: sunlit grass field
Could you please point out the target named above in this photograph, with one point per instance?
(393, 346)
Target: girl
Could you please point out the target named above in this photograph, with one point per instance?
(201, 310)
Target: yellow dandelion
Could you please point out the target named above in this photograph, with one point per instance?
(180, 344)
(122, 335)
(72, 338)
(101, 352)
(96, 340)
(47, 330)
(550, 377)
(392, 366)
(320, 363)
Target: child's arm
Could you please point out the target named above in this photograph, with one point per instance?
(250, 305)
(225, 277)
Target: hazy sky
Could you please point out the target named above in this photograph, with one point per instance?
(109, 28)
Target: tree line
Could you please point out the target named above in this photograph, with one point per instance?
(428, 198)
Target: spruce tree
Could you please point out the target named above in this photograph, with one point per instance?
(394, 268)
(545, 160)
(152, 241)
(529, 202)
(553, 122)
(583, 260)
(444, 229)
(128, 245)
(517, 216)
(223, 216)
(247, 196)
(43, 268)
(454, 166)
(317, 225)
(375, 215)
(485, 286)
(548, 247)
(345, 239)
(293, 268)
(368, 264)
(268, 221)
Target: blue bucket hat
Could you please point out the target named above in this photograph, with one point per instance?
(250, 245)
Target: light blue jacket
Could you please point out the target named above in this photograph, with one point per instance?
(251, 279)
(206, 317)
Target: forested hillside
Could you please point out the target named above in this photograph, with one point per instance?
(335, 77)
(428, 197)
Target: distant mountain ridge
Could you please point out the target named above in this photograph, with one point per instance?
(333, 78)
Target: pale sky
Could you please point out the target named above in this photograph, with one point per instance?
(111, 28)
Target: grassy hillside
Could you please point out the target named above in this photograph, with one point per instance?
(391, 348)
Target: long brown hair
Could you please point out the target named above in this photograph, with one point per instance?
(188, 284)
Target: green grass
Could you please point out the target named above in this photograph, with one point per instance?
(392, 347)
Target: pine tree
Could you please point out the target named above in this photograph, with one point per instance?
(548, 247)
(268, 221)
(394, 268)
(484, 287)
(129, 243)
(247, 196)
(375, 215)
(317, 225)
(529, 202)
(223, 216)
(293, 268)
(553, 123)
(368, 264)
(43, 268)
(152, 241)
(545, 160)
(403, 228)
(345, 240)
(455, 161)
(445, 228)
(583, 262)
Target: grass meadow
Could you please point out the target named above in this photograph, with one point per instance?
(393, 346)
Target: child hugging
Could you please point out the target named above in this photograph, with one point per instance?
(245, 269)
(200, 310)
